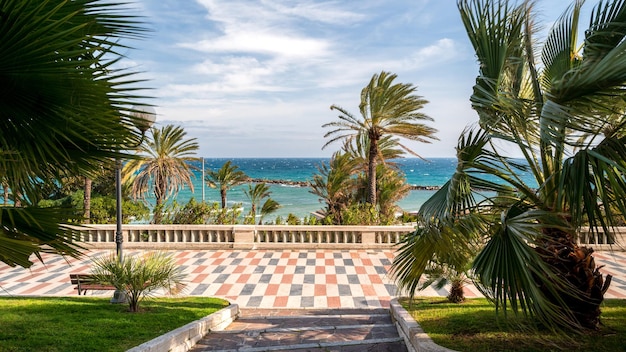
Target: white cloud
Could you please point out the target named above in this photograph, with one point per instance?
(257, 77)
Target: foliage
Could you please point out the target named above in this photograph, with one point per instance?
(85, 324)
(227, 177)
(292, 219)
(139, 276)
(191, 213)
(335, 185)
(567, 120)
(103, 208)
(269, 206)
(64, 109)
(163, 168)
(473, 326)
(104, 211)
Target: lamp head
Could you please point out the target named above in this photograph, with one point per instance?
(144, 117)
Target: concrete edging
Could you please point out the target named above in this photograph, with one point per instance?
(185, 337)
(414, 336)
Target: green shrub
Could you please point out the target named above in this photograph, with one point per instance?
(139, 276)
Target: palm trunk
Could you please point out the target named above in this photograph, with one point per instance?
(158, 212)
(223, 196)
(576, 265)
(373, 155)
(87, 200)
(5, 188)
(456, 294)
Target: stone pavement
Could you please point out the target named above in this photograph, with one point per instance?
(270, 278)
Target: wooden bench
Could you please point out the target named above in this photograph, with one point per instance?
(85, 282)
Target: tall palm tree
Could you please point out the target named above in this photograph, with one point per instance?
(227, 177)
(61, 115)
(256, 195)
(386, 109)
(164, 167)
(567, 120)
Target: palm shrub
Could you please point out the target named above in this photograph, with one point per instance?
(139, 276)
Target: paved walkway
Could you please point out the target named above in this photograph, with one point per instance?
(270, 278)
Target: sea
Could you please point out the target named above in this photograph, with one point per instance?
(298, 200)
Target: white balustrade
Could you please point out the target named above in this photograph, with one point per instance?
(278, 236)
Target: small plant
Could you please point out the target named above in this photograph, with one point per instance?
(139, 276)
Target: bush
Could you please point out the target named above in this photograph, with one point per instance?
(139, 276)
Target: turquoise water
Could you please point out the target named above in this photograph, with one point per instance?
(298, 200)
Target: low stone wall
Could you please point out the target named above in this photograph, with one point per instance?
(414, 336)
(184, 338)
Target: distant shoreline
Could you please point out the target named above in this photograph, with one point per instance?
(307, 184)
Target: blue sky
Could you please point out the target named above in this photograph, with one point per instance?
(252, 78)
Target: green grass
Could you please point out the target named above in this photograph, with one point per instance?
(474, 326)
(50, 324)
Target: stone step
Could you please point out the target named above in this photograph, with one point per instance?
(306, 330)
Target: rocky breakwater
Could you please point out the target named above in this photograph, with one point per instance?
(280, 182)
(307, 184)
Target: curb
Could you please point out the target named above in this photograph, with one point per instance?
(414, 336)
(184, 338)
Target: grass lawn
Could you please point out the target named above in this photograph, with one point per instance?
(92, 323)
(474, 326)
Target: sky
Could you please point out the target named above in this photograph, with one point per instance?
(256, 78)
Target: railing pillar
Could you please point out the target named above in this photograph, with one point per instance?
(368, 237)
(244, 237)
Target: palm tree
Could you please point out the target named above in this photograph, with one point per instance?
(335, 185)
(164, 167)
(256, 194)
(386, 109)
(61, 115)
(567, 120)
(227, 177)
(268, 207)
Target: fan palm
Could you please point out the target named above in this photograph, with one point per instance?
(567, 120)
(164, 167)
(386, 109)
(227, 177)
(60, 108)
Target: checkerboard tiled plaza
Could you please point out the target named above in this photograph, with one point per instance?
(269, 278)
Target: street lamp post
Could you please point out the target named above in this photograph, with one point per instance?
(143, 118)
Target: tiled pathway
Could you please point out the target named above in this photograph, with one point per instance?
(270, 278)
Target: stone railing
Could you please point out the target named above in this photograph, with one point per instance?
(244, 236)
(277, 236)
(601, 241)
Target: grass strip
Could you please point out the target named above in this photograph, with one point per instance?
(51, 324)
(474, 326)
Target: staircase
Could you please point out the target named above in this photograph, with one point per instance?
(306, 330)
